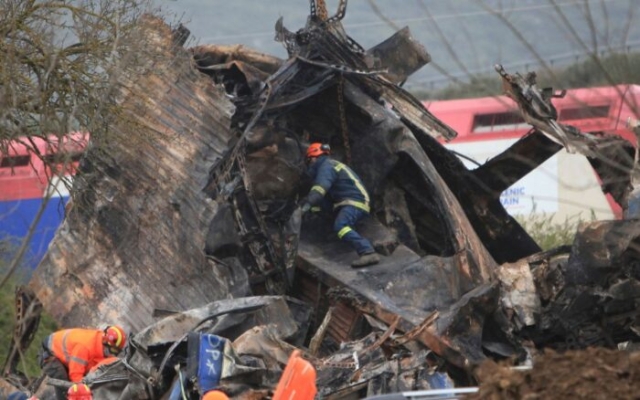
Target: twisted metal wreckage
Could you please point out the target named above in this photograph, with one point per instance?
(202, 218)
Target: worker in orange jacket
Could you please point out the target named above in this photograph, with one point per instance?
(70, 354)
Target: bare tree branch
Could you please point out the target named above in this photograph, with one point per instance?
(592, 27)
(443, 38)
(49, 87)
(394, 26)
(519, 35)
(381, 15)
(593, 54)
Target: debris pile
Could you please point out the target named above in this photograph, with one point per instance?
(190, 236)
(596, 373)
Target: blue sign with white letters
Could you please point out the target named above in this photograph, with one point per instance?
(211, 357)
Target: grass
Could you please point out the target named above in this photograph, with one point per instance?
(548, 233)
(28, 365)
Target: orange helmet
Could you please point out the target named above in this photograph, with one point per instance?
(215, 395)
(317, 149)
(115, 338)
(79, 391)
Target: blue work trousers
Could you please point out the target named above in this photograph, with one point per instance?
(344, 226)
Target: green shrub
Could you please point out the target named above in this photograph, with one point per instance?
(549, 233)
(29, 364)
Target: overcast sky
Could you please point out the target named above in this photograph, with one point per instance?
(474, 33)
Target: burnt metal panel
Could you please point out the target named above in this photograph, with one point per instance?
(508, 167)
(401, 55)
(106, 263)
(344, 319)
(403, 285)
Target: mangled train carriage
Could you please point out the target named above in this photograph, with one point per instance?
(200, 214)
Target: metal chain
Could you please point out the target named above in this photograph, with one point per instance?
(336, 364)
(343, 119)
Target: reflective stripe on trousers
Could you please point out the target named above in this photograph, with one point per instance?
(344, 225)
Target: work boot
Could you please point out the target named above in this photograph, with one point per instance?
(366, 260)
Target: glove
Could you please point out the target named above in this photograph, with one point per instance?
(305, 208)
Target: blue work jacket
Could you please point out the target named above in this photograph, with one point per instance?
(338, 182)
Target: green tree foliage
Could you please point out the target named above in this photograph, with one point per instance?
(611, 70)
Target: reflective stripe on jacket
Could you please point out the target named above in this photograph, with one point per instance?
(339, 183)
(78, 349)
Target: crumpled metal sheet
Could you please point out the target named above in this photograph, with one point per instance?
(602, 246)
(267, 345)
(590, 295)
(115, 381)
(401, 55)
(611, 156)
(362, 365)
(226, 314)
(99, 267)
(340, 371)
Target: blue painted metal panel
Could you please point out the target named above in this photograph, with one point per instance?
(16, 216)
(211, 357)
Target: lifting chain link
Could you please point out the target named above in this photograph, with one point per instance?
(343, 119)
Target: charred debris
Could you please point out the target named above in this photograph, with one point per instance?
(195, 231)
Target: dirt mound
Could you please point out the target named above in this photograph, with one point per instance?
(594, 373)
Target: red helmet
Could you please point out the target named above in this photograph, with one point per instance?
(79, 391)
(215, 395)
(317, 149)
(115, 338)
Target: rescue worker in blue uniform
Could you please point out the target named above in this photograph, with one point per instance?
(337, 183)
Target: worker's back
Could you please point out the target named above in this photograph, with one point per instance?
(78, 349)
(339, 181)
